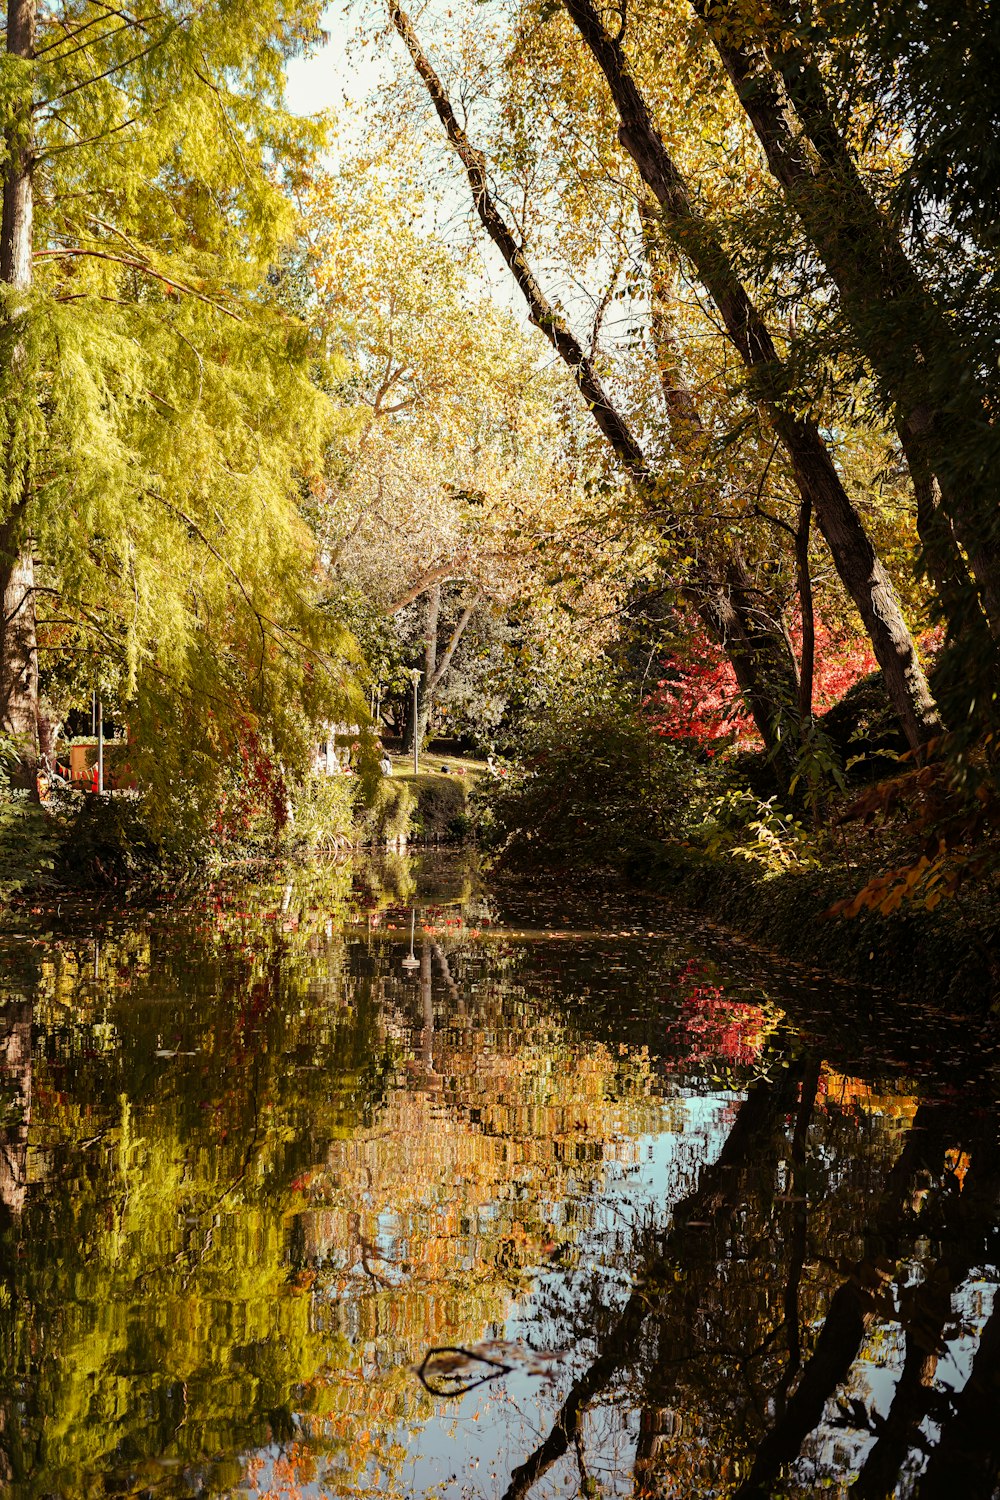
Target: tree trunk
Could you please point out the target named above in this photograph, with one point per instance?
(759, 653)
(18, 645)
(430, 662)
(807, 661)
(919, 363)
(723, 590)
(708, 588)
(436, 662)
(19, 656)
(815, 475)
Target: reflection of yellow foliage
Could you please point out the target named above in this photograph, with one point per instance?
(845, 1092)
(210, 1264)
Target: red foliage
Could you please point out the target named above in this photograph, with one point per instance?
(698, 700)
(716, 1028)
(256, 790)
(841, 661)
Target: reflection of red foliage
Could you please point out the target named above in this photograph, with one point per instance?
(711, 1027)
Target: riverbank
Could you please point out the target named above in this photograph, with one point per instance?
(950, 955)
(88, 843)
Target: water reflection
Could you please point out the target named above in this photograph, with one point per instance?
(706, 1228)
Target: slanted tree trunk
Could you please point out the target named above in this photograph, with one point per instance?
(917, 358)
(816, 477)
(18, 645)
(733, 609)
(710, 589)
(758, 651)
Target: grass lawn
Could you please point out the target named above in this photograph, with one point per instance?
(432, 763)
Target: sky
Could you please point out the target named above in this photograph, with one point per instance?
(331, 79)
(338, 79)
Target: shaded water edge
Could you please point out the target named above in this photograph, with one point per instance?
(949, 955)
(680, 1221)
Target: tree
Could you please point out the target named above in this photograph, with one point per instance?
(814, 472)
(157, 453)
(452, 486)
(929, 380)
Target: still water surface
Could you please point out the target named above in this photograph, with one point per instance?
(383, 1184)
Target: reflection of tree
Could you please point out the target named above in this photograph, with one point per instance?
(269, 1167)
(738, 1358)
(919, 1183)
(709, 1208)
(15, 1102)
(231, 1108)
(966, 1461)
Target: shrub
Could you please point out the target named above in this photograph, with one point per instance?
(106, 841)
(30, 842)
(442, 807)
(389, 816)
(324, 812)
(592, 784)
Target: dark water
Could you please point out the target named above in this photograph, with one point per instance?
(580, 1199)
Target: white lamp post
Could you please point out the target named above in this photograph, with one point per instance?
(100, 747)
(416, 674)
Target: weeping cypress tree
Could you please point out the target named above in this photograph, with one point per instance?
(160, 419)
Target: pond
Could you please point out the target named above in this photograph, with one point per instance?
(385, 1183)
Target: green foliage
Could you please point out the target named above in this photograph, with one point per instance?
(324, 812)
(388, 817)
(106, 841)
(757, 831)
(164, 416)
(442, 807)
(592, 782)
(30, 839)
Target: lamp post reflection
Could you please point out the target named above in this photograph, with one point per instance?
(412, 964)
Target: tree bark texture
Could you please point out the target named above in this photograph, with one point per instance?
(18, 644)
(816, 477)
(709, 588)
(921, 368)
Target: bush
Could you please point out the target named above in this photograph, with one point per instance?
(591, 785)
(30, 842)
(442, 807)
(324, 812)
(389, 816)
(106, 841)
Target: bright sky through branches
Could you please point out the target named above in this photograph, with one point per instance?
(331, 79)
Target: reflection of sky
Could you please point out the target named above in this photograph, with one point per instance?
(834, 1448)
(467, 1449)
